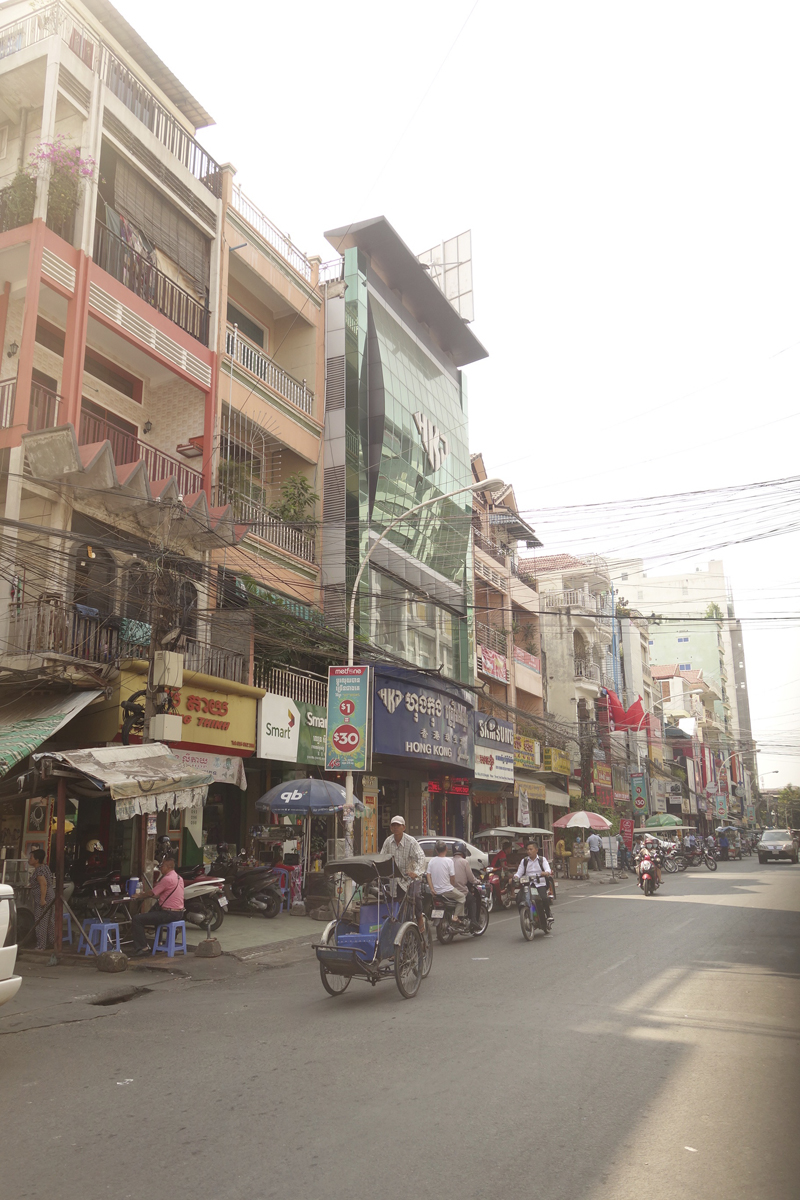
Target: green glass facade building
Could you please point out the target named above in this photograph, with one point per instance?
(396, 434)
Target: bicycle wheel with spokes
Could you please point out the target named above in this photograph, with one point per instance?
(334, 984)
(526, 921)
(711, 862)
(408, 960)
(427, 949)
(670, 866)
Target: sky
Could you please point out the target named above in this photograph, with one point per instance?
(630, 175)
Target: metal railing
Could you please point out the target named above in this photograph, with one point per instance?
(587, 670)
(332, 271)
(493, 639)
(305, 688)
(42, 410)
(127, 449)
(265, 524)
(137, 98)
(197, 656)
(264, 368)
(491, 547)
(270, 233)
(145, 280)
(574, 598)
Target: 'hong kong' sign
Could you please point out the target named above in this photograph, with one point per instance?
(347, 745)
(415, 717)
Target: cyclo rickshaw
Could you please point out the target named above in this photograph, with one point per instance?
(375, 935)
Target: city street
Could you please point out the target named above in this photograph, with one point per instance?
(649, 1047)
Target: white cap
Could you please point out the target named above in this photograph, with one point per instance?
(397, 821)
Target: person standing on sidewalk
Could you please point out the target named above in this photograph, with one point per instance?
(595, 846)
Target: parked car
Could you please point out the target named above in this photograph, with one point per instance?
(777, 843)
(477, 859)
(9, 982)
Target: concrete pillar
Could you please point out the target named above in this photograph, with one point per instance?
(48, 132)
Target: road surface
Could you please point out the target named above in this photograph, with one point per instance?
(651, 1038)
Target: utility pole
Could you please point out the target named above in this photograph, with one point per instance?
(162, 622)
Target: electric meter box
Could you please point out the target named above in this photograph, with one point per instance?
(166, 727)
(167, 669)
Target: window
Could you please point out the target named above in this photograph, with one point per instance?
(623, 578)
(50, 337)
(247, 326)
(685, 590)
(109, 373)
(650, 642)
(684, 666)
(683, 639)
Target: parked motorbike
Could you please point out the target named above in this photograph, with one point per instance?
(204, 897)
(95, 896)
(248, 888)
(441, 913)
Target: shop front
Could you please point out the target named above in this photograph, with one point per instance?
(423, 753)
(560, 787)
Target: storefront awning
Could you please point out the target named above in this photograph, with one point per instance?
(26, 721)
(556, 798)
(223, 768)
(142, 779)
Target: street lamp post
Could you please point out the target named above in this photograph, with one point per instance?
(484, 485)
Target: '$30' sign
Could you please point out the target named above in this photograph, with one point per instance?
(346, 739)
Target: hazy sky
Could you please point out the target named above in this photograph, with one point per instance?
(629, 173)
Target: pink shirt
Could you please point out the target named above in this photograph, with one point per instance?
(169, 890)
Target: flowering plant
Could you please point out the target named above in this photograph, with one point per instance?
(67, 174)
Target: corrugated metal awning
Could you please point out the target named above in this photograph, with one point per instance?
(26, 721)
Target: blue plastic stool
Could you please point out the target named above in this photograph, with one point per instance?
(67, 919)
(171, 928)
(102, 932)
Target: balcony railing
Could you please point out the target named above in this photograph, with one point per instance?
(43, 409)
(264, 368)
(305, 688)
(137, 98)
(490, 547)
(270, 233)
(127, 449)
(493, 639)
(574, 598)
(332, 272)
(139, 275)
(53, 626)
(587, 670)
(265, 524)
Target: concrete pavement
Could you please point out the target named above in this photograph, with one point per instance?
(651, 1039)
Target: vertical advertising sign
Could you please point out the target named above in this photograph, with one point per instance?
(626, 829)
(369, 827)
(639, 791)
(347, 745)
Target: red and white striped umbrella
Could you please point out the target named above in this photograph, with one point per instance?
(582, 820)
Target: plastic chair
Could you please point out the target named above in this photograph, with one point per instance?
(172, 945)
(67, 920)
(102, 932)
(285, 886)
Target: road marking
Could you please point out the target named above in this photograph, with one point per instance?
(690, 1148)
(480, 960)
(683, 924)
(615, 965)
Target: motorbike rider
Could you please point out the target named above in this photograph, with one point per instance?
(442, 880)
(465, 881)
(500, 860)
(535, 868)
(650, 850)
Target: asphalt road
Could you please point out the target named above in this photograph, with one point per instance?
(648, 1048)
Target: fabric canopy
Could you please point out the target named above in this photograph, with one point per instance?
(582, 820)
(306, 797)
(509, 831)
(142, 779)
(663, 821)
(28, 720)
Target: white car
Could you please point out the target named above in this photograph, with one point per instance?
(477, 859)
(9, 982)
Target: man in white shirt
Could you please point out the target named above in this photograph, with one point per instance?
(535, 868)
(441, 879)
(595, 846)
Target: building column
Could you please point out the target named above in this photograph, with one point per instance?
(75, 345)
(9, 539)
(28, 335)
(48, 132)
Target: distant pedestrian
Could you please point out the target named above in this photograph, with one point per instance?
(724, 846)
(43, 892)
(595, 847)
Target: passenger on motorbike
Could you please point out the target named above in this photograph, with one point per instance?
(650, 851)
(465, 881)
(441, 879)
(535, 869)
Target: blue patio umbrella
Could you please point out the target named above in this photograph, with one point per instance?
(306, 798)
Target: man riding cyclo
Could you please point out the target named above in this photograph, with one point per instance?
(410, 858)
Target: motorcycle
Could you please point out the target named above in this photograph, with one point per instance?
(249, 888)
(441, 914)
(95, 896)
(204, 897)
(648, 877)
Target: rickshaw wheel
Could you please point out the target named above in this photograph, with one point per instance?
(408, 963)
(334, 984)
(427, 950)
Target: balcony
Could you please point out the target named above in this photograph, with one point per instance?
(490, 547)
(128, 449)
(493, 639)
(43, 409)
(587, 671)
(138, 99)
(139, 275)
(265, 524)
(264, 368)
(270, 233)
(54, 628)
(574, 598)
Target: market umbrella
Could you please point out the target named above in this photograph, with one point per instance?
(306, 798)
(582, 820)
(664, 820)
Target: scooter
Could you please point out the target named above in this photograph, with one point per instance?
(441, 913)
(204, 898)
(648, 879)
(248, 888)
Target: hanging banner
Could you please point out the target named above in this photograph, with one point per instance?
(523, 806)
(347, 744)
(493, 664)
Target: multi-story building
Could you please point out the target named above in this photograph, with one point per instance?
(508, 646)
(396, 434)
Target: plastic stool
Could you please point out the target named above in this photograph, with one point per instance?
(171, 928)
(102, 931)
(68, 920)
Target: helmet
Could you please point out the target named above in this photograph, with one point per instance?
(165, 842)
(94, 846)
(460, 848)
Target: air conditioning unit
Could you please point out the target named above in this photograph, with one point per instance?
(166, 727)
(167, 669)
